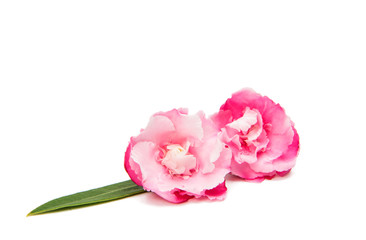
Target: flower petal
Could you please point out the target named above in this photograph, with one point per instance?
(132, 168)
(174, 196)
(288, 159)
(158, 130)
(217, 193)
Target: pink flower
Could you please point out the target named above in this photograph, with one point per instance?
(179, 156)
(262, 138)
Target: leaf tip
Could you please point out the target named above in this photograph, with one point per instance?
(32, 213)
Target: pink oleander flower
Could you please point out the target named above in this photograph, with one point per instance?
(263, 140)
(179, 156)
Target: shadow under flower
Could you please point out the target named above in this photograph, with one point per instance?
(154, 199)
(233, 178)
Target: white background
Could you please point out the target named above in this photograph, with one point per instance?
(78, 78)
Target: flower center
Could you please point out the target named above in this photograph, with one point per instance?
(178, 160)
(249, 125)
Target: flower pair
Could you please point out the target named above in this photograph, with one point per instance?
(180, 156)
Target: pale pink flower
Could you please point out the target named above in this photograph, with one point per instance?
(262, 138)
(179, 156)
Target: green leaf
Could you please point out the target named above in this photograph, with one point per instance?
(90, 197)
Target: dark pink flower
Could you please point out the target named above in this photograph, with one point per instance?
(261, 136)
(179, 156)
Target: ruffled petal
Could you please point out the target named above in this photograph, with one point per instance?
(174, 196)
(288, 160)
(132, 168)
(186, 126)
(217, 193)
(158, 130)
